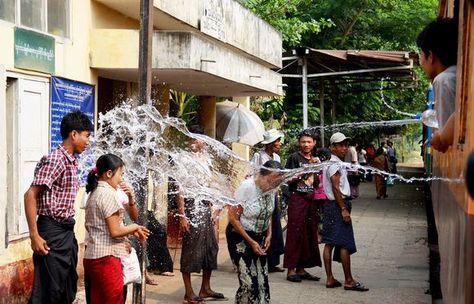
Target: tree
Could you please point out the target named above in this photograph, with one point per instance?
(352, 24)
(290, 17)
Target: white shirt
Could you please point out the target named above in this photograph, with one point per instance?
(329, 171)
(257, 208)
(351, 155)
(444, 87)
(261, 157)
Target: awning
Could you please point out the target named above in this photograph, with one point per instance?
(354, 63)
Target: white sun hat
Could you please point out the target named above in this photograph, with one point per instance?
(270, 136)
(338, 137)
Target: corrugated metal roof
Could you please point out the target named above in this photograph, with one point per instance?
(357, 62)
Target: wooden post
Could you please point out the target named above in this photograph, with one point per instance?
(144, 88)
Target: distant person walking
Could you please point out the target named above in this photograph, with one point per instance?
(381, 163)
(392, 157)
(353, 176)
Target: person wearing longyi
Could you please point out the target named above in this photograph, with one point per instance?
(301, 248)
(249, 232)
(51, 197)
(338, 234)
(272, 139)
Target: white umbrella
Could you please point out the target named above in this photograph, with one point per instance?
(236, 123)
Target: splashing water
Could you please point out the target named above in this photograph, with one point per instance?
(362, 124)
(150, 144)
(382, 96)
(162, 147)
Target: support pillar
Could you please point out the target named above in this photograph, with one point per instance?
(240, 149)
(305, 92)
(321, 111)
(207, 115)
(160, 96)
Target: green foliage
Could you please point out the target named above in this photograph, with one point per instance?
(290, 17)
(371, 24)
(184, 106)
(350, 24)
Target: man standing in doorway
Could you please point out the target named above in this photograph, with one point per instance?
(51, 196)
(301, 249)
(337, 228)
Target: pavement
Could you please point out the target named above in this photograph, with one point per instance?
(392, 258)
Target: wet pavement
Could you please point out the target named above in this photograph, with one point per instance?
(392, 258)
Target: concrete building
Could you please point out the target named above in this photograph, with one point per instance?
(207, 48)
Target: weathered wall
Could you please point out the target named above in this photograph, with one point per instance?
(241, 27)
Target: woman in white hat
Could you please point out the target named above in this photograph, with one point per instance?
(272, 139)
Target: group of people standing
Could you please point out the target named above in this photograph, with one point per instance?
(254, 233)
(254, 236)
(51, 197)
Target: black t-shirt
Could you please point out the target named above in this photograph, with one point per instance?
(305, 184)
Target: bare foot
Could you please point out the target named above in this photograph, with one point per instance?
(149, 280)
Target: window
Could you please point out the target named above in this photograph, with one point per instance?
(32, 14)
(51, 16)
(7, 10)
(58, 16)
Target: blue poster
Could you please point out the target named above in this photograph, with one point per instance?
(67, 96)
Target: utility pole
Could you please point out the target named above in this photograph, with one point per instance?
(144, 88)
(321, 111)
(305, 91)
(145, 51)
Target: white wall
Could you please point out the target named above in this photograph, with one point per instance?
(3, 159)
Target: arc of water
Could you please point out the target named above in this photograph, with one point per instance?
(382, 96)
(362, 124)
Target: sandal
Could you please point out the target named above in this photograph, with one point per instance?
(294, 278)
(356, 287)
(334, 285)
(215, 296)
(308, 276)
(196, 300)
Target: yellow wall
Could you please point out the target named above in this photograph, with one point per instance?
(106, 18)
(72, 61)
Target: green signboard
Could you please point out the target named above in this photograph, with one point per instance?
(34, 51)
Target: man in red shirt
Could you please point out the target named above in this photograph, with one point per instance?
(51, 196)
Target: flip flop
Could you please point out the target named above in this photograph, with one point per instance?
(193, 301)
(356, 287)
(294, 278)
(334, 285)
(309, 277)
(166, 274)
(216, 296)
